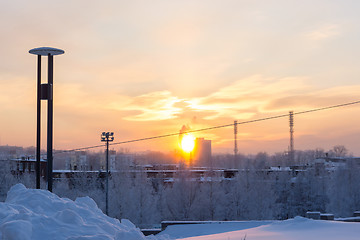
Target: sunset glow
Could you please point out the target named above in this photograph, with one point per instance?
(187, 142)
(146, 69)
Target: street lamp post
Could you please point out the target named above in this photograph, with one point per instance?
(45, 92)
(107, 137)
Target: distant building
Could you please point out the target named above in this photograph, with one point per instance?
(124, 160)
(330, 164)
(112, 160)
(10, 152)
(77, 161)
(202, 152)
(23, 164)
(119, 161)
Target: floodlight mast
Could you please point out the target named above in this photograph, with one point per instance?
(45, 92)
(107, 137)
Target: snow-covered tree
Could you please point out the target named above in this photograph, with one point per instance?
(182, 196)
(344, 191)
(211, 198)
(339, 151)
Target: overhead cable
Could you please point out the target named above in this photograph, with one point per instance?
(214, 127)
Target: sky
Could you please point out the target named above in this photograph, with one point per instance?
(148, 68)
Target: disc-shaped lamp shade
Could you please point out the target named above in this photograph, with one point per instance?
(45, 51)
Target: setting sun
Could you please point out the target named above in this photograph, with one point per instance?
(187, 143)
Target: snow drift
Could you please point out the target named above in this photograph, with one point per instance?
(32, 214)
(298, 228)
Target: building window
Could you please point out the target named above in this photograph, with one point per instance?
(21, 167)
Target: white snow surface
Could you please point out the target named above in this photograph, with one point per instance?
(209, 228)
(298, 228)
(33, 214)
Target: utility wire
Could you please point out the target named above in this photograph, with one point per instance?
(329, 107)
(215, 127)
(79, 149)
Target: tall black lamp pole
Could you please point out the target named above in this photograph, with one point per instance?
(45, 92)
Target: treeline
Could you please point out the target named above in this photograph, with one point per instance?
(253, 194)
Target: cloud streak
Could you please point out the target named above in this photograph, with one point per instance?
(324, 32)
(242, 99)
(155, 106)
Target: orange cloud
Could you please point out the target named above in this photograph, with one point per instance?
(153, 106)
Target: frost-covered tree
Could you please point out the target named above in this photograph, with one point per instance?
(7, 179)
(299, 198)
(80, 185)
(120, 185)
(9, 176)
(282, 190)
(339, 151)
(182, 196)
(307, 192)
(251, 196)
(210, 199)
(344, 191)
(141, 202)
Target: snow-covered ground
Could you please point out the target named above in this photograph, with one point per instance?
(293, 229)
(192, 230)
(30, 214)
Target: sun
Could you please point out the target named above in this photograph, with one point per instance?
(187, 143)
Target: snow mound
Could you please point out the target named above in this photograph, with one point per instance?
(32, 214)
(209, 228)
(298, 228)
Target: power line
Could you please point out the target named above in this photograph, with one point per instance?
(329, 107)
(214, 127)
(78, 149)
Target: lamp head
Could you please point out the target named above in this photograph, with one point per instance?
(46, 51)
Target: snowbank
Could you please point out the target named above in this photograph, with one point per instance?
(208, 228)
(293, 229)
(32, 214)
